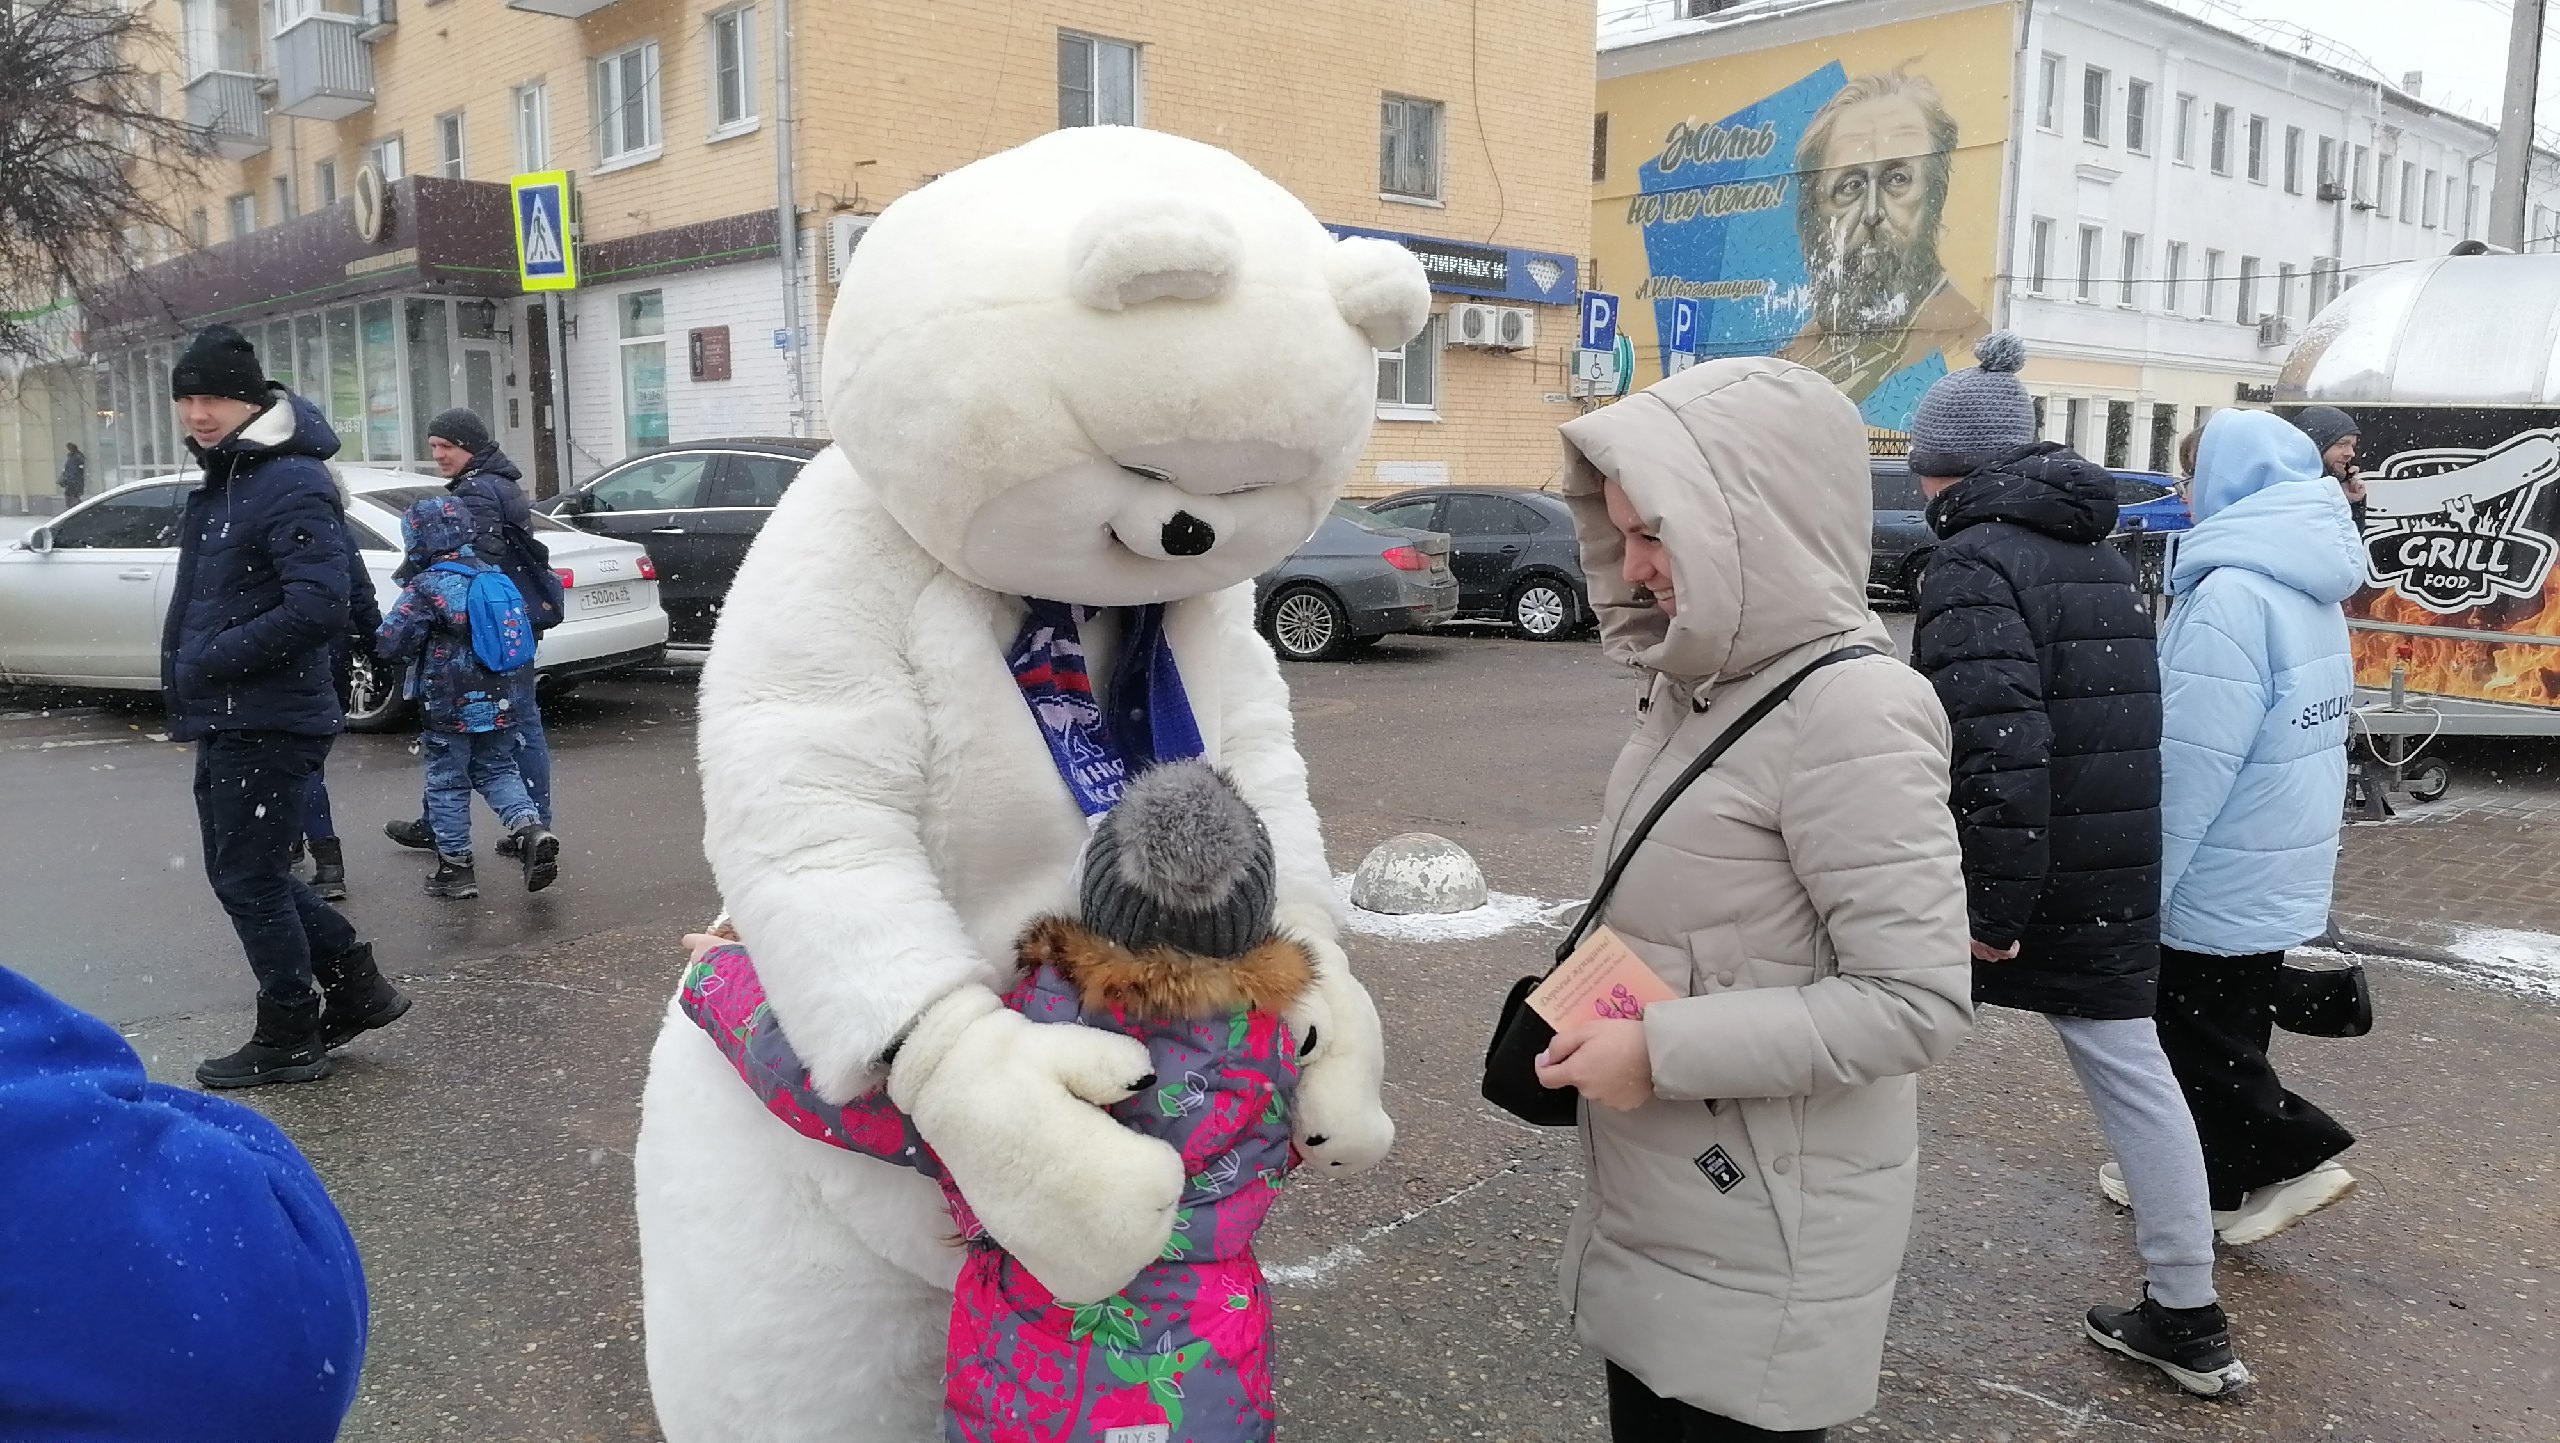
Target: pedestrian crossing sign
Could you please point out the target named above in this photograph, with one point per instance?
(545, 259)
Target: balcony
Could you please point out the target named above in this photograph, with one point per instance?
(324, 69)
(226, 107)
(566, 9)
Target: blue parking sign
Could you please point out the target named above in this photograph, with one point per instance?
(1684, 327)
(1599, 321)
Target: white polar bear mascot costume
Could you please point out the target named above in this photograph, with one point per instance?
(1109, 368)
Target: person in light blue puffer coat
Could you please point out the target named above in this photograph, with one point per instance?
(2256, 685)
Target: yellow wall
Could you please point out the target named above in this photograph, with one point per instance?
(1729, 211)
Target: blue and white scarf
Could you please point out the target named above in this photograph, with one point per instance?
(1151, 722)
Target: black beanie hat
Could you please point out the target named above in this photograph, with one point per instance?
(2326, 425)
(1181, 862)
(219, 362)
(463, 427)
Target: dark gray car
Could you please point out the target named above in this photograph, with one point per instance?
(1515, 552)
(1357, 579)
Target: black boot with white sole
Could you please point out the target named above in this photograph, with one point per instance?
(2191, 1345)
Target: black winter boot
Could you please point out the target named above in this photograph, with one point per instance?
(358, 997)
(540, 853)
(285, 1048)
(453, 878)
(329, 869)
(413, 834)
(2191, 1345)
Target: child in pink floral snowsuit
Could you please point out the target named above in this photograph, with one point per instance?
(1180, 957)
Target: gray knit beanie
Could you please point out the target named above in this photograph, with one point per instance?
(1181, 862)
(1972, 418)
(2326, 425)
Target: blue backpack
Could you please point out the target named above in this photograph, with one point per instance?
(501, 629)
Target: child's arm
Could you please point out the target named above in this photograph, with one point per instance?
(404, 627)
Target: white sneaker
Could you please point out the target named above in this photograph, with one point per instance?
(2269, 1210)
(2111, 1182)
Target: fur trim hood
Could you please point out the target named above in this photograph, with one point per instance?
(1164, 982)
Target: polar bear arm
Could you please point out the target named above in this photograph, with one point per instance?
(813, 783)
(1259, 748)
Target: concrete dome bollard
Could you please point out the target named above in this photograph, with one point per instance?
(1418, 873)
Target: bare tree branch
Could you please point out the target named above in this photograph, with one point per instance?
(88, 149)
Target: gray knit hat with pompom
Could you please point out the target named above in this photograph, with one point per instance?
(1181, 862)
(1972, 418)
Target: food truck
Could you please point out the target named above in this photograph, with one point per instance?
(2451, 366)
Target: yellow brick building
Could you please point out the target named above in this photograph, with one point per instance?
(1462, 129)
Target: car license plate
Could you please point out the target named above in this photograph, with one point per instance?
(604, 598)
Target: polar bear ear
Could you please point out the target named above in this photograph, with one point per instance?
(1380, 288)
(1133, 249)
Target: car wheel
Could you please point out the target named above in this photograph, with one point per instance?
(1305, 623)
(378, 705)
(1545, 610)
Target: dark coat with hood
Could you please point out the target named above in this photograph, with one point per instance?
(491, 490)
(2043, 654)
(262, 582)
(430, 626)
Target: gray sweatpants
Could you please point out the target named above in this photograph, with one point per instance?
(2145, 1119)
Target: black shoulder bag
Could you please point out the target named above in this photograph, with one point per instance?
(1511, 1059)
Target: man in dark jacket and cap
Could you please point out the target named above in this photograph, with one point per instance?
(2043, 654)
(259, 599)
(490, 487)
(2339, 438)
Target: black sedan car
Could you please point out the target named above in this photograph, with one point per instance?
(697, 507)
(1902, 538)
(1515, 553)
(1357, 579)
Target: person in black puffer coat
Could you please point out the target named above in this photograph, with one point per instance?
(2043, 654)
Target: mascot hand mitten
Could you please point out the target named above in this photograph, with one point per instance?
(1340, 1125)
(1013, 1108)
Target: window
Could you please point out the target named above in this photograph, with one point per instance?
(2164, 437)
(284, 197)
(2093, 104)
(2359, 184)
(243, 210)
(748, 480)
(2285, 275)
(385, 157)
(449, 144)
(2248, 313)
(2089, 238)
(2471, 212)
(733, 71)
(2212, 281)
(2183, 147)
(2040, 256)
(1409, 380)
(2137, 116)
(1701, 9)
(324, 182)
(2293, 160)
(2132, 270)
(2328, 165)
(144, 520)
(2258, 149)
(1409, 147)
(2222, 140)
(2434, 216)
(1472, 514)
(199, 229)
(2382, 186)
(1600, 146)
(2075, 413)
(627, 105)
(643, 321)
(2119, 451)
(2173, 277)
(1421, 513)
(533, 127)
(661, 483)
(2408, 192)
(1097, 81)
(2049, 92)
(2037, 404)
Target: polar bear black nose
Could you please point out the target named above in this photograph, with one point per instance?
(1188, 535)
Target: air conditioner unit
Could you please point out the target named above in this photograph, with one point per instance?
(2275, 330)
(844, 232)
(2332, 192)
(1500, 328)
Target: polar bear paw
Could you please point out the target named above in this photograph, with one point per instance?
(1339, 1123)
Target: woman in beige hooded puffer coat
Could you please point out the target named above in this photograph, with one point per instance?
(1752, 1145)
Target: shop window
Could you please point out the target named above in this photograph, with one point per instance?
(1409, 379)
(346, 379)
(1409, 148)
(382, 430)
(644, 369)
(430, 370)
(1097, 81)
(733, 72)
(627, 105)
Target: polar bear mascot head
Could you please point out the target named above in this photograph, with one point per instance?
(1175, 366)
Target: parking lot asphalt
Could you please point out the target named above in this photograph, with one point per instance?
(481, 1148)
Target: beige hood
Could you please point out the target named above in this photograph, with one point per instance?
(1754, 473)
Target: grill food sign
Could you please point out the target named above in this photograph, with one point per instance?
(2451, 528)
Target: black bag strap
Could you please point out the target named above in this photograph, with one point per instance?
(1759, 710)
